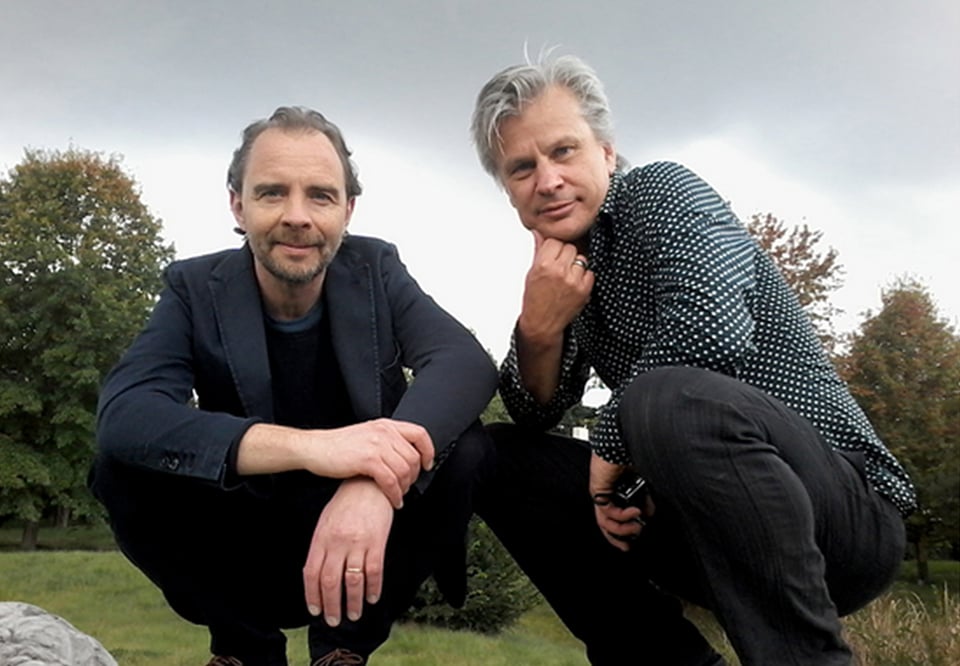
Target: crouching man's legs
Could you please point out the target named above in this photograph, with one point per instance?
(757, 517)
(536, 501)
(232, 560)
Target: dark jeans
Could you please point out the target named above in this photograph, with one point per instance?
(537, 502)
(233, 560)
(757, 519)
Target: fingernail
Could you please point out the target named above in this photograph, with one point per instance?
(353, 615)
(313, 610)
(332, 621)
(372, 599)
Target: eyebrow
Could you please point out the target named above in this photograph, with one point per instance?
(332, 190)
(263, 187)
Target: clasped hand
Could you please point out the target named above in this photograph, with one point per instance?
(379, 461)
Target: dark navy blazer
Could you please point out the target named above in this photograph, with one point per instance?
(206, 335)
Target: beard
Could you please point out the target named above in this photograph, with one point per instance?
(295, 272)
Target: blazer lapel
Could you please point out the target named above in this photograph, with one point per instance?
(348, 293)
(239, 315)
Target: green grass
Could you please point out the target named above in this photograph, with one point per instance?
(100, 593)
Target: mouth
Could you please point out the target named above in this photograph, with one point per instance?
(558, 210)
(297, 249)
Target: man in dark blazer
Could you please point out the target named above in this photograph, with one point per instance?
(262, 456)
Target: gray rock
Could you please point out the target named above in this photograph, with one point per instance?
(30, 636)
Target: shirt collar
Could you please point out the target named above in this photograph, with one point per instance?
(609, 207)
(601, 228)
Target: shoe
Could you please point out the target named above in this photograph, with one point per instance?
(224, 661)
(340, 657)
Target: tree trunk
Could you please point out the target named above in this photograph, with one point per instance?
(923, 558)
(63, 516)
(31, 531)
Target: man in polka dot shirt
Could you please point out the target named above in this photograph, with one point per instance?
(769, 498)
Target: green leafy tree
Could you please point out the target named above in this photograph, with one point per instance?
(904, 369)
(80, 262)
(812, 274)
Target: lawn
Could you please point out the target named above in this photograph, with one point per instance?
(104, 596)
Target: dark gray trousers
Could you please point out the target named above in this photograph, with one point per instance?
(758, 519)
(232, 560)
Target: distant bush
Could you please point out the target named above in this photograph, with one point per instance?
(498, 592)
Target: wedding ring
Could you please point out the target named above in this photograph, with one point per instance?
(581, 263)
(354, 570)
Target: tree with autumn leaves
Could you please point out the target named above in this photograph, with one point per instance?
(80, 262)
(812, 274)
(903, 368)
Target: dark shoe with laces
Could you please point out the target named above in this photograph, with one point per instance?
(340, 657)
(224, 661)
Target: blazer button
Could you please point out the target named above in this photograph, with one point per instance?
(170, 462)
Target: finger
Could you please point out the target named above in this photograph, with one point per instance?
(601, 523)
(405, 457)
(404, 463)
(616, 543)
(331, 589)
(354, 582)
(419, 437)
(374, 574)
(581, 262)
(311, 582)
(388, 483)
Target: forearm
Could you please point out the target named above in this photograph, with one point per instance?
(268, 449)
(539, 354)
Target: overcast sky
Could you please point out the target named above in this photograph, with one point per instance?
(843, 115)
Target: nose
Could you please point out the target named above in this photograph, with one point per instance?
(549, 178)
(295, 213)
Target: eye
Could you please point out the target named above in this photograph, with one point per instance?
(563, 151)
(322, 196)
(521, 170)
(271, 193)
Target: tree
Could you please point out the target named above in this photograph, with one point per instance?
(80, 261)
(811, 274)
(903, 367)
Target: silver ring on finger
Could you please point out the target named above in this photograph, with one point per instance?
(354, 570)
(582, 263)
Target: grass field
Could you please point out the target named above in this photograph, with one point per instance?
(104, 596)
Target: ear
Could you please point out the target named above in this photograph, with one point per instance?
(610, 157)
(236, 207)
(348, 215)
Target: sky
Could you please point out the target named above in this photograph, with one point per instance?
(844, 116)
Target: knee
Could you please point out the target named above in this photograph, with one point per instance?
(650, 404)
(469, 457)
(667, 411)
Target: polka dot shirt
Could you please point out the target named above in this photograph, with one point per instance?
(679, 281)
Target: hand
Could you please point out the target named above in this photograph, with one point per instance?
(347, 551)
(556, 288)
(619, 526)
(390, 452)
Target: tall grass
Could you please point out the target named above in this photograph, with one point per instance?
(897, 630)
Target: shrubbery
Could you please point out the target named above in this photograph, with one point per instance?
(498, 592)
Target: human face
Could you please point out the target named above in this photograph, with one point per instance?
(554, 169)
(293, 207)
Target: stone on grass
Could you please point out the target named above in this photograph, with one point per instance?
(30, 636)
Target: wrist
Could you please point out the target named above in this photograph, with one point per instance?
(534, 335)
